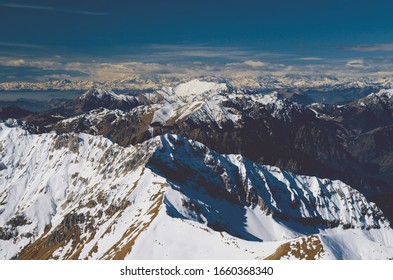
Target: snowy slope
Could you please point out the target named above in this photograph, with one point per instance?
(383, 96)
(100, 93)
(78, 196)
(195, 89)
(207, 102)
(194, 101)
(187, 98)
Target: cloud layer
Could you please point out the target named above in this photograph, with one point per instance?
(184, 62)
(52, 9)
(373, 48)
(107, 70)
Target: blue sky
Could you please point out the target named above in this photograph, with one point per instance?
(45, 39)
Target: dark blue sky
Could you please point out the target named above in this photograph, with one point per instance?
(284, 32)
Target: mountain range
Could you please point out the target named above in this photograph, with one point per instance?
(200, 170)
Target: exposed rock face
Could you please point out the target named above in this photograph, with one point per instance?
(326, 141)
(321, 140)
(309, 248)
(93, 199)
(100, 98)
(192, 183)
(12, 112)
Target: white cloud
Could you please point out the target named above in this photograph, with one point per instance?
(40, 64)
(57, 67)
(185, 52)
(12, 62)
(254, 63)
(310, 58)
(54, 9)
(19, 45)
(357, 63)
(23, 6)
(372, 48)
(45, 78)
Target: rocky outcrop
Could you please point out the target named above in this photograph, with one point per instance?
(105, 200)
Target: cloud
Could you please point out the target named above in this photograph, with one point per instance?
(23, 6)
(12, 62)
(54, 9)
(142, 75)
(373, 48)
(242, 65)
(87, 13)
(55, 77)
(19, 45)
(254, 63)
(223, 54)
(183, 52)
(40, 64)
(356, 63)
(310, 58)
(112, 70)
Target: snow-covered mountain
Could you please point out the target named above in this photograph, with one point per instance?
(363, 115)
(300, 82)
(195, 103)
(384, 96)
(96, 98)
(206, 102)
(79, 196)
(320, 140)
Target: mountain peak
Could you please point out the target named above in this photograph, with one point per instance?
(196, 87)
(384, 95)
(388, 93)
(96, 98)
(100, 93)
(307, 200)
(272, 97)
(99, 200)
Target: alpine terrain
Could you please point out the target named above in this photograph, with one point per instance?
(202, 170)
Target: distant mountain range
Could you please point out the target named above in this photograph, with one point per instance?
(134, 176)
(327, 89)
